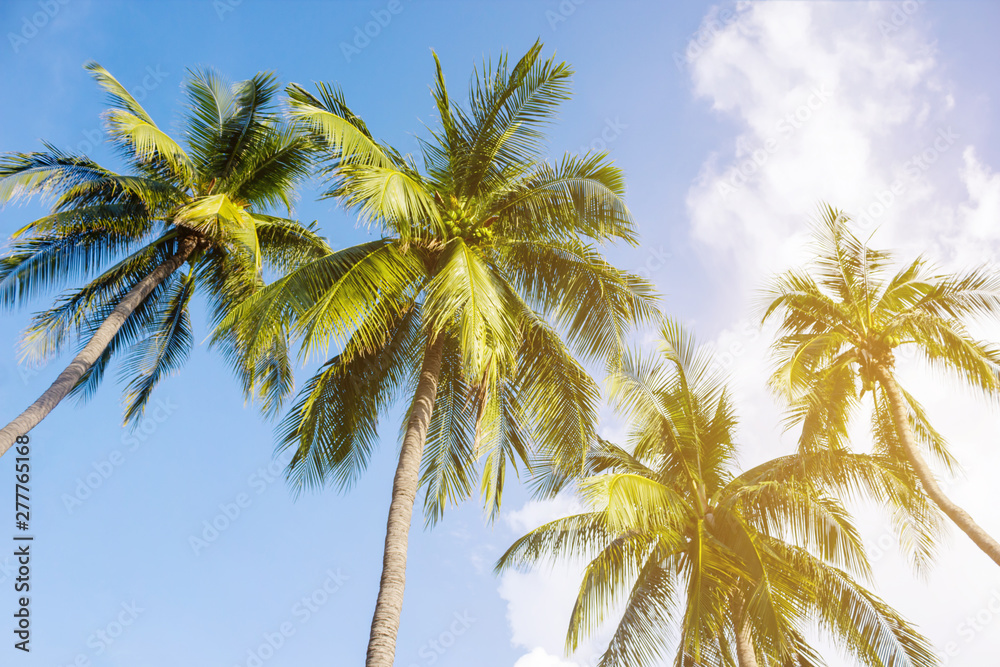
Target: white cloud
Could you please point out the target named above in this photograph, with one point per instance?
(980, 216)
(539, 603)
(538, 512)
(539, 657)
(826, 103)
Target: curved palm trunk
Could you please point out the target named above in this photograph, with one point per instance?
(959, 516)
(389, 605)
(63, 384)
(745, 655)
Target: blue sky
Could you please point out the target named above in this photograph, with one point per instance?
(678, 115)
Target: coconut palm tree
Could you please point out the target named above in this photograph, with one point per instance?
(181, 219)
(840, 323)
(485, 262)
(729, 568)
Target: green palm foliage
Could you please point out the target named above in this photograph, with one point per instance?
(182, 219)
(840, 323)
(485, 279)
(707, 564)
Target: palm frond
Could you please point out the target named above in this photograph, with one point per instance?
(448, 465)
(578, 196)
(466, 290)
(332, 425)
(559, 401)
(164, 351)
(592, 302)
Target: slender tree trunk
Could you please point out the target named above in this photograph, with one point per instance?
(63, 384)
(389, 605)
(959, 516)
(745, 655)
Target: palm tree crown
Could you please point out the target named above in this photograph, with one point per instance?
(729, 568)
(205, 205)
(484, 253)
(486, 261)
(840, 323)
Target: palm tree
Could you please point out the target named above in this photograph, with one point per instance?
(733, 567)
(204, 207)
(841, 322)
(485, 259)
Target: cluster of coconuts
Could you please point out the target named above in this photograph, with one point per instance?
(883, 346)
(885, 343)
(459, 225)
(892, 341)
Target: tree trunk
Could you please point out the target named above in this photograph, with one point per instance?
(958, 515)
(63, 384)
(745, 655)
(389, 605)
